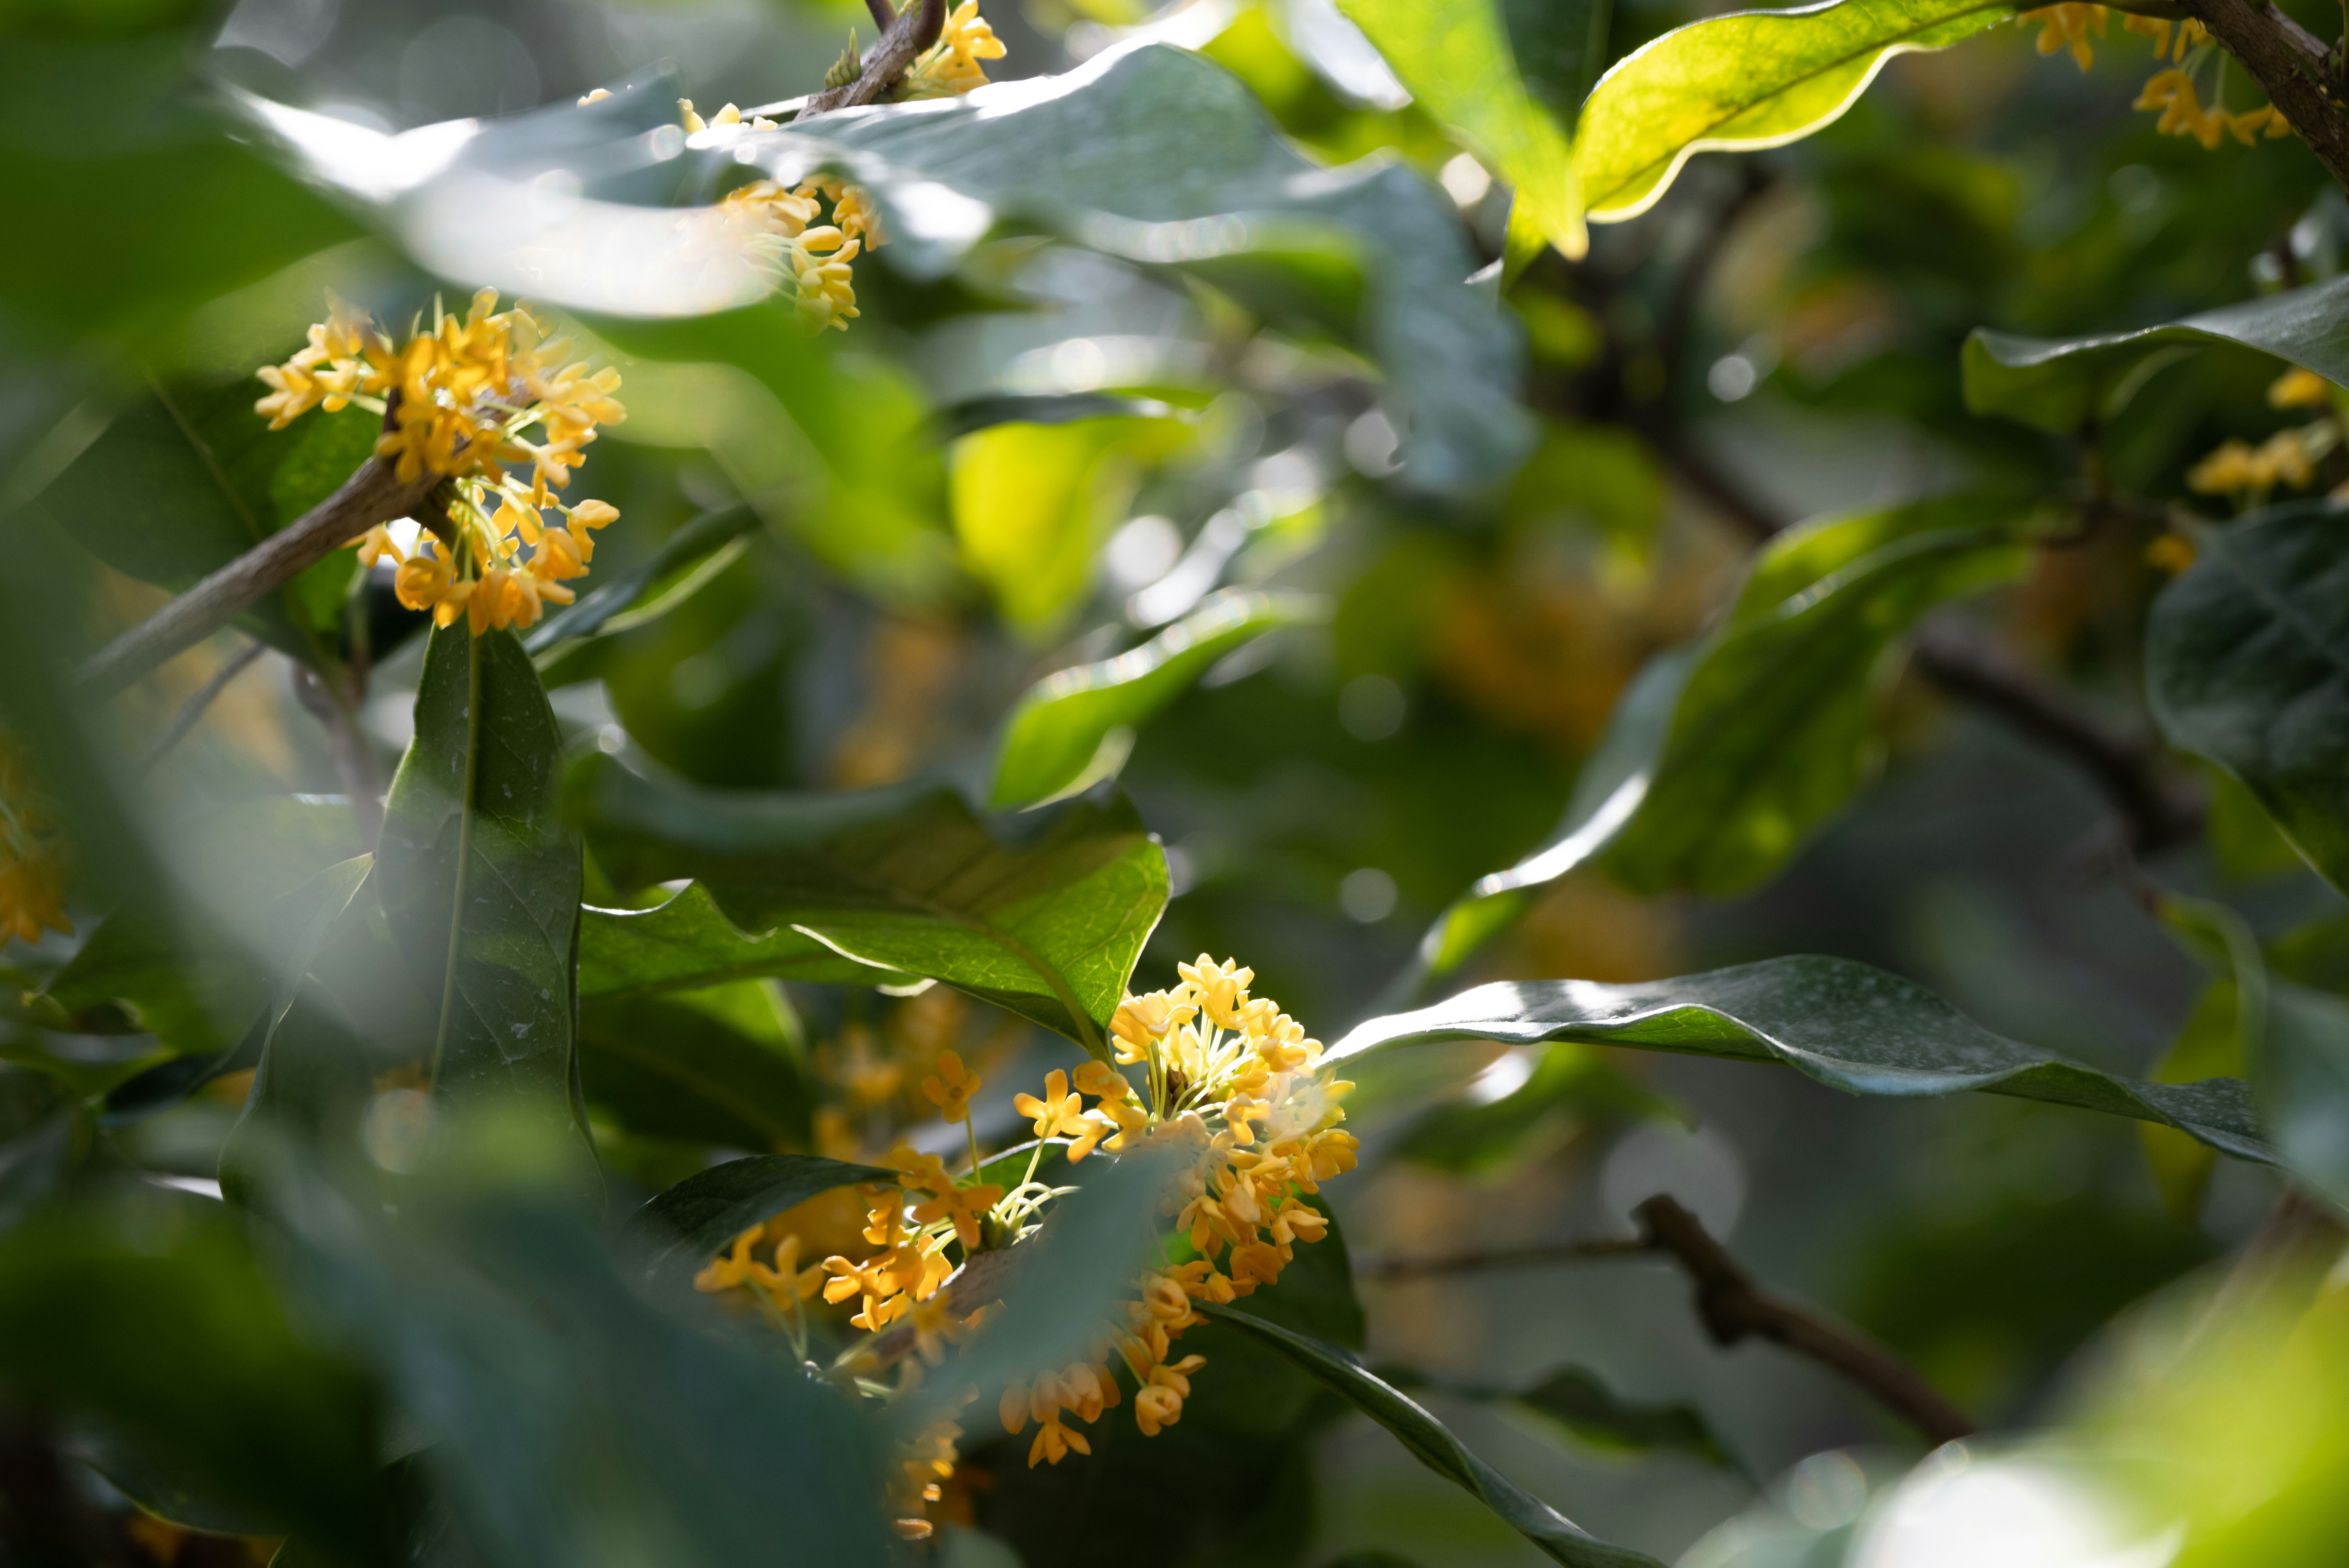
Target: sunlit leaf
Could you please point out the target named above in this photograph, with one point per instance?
(479, 878)
(2246, 662)
(1043, 914)
(2061, 385)
(1061, 723)
(1749, 80)
(688, 942)
(1845, 1024)
(1433, 1445)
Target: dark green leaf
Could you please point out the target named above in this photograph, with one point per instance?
(1592, 1413)
(688, 942)
(1047, 408)
(1043, 913)
(1434, 1446)
(2063, 384)
(479, 878)
(1053, 736)
(704, 1067)
(2246, 662)
(2220, 1037)
(1845, 1024)
(672, 570)
(167, 1491)
(700, 1216)
(2303, 1084)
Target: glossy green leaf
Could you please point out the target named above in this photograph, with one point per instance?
(1043, 914)
(688, 942)
(699, 1217)
(479, 878)
(1749, 80)
(614, 604)
(1033, 504)
(713, 1066)
(1456, 57)
(1845, 1024)
(2246, 662)
(2061, 385)
(1434, 1446)
(1060, 726)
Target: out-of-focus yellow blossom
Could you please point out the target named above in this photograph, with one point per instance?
(2067, 26)
(2170, 553)
(730, 115)
(950, 1088)
(950, 66)
(2191, 34)
(2247, 472)
(2299, 389)
(32, 855)
(461, 397)
(597, 95)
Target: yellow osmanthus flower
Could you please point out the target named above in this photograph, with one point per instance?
(2067, 27)
(2247, 472)
(780, 227)
(950, 66)
(31, 856)
(2299, 389)
(2190, 35)
(461, 397)
(2171, 92)
(950, 1088)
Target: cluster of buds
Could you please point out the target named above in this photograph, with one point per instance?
(31, 856)
(781, 228)
(462, 396)
(2172, 93)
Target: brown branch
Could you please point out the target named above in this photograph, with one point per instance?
(1734, 1307)
(2290, 65)
(1967, 663)
(1505, 1258)
(373, 494)
(911, 31)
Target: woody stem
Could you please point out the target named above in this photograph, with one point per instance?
(2289, 64)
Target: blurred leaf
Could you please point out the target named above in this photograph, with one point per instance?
(167, 1491)
(2221, 1038)
(687, 942)
(34, 1161)
(1569, 1086)
(1777, 723)
(1054, 733)
(1749, 80)
(2303, 1084)
(1845, 1024)
(699, 1217)
(1599, 474)
(2061, 385)
(975, 414)
(1032, 504)
(2246, 662)
(189, 989)
(1455, 57)
(563, 1415)
(1578, 1403)
(707, 1067)
(150, 1315)
(1043, 913)
(1434, 1446)
(479, 878)
(669, 572)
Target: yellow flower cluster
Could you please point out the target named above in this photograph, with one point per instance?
(2171, 92)
(780, 227)
(31, 856)
(461, 397)
(2247, 472)
(950, 66)
(1229, 1080)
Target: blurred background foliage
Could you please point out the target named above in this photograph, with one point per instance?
(1777, 340)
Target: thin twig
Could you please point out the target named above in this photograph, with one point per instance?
(194, 708)
(1535, 1256)
(908, 33)
(1734, 1307)
(373, 494)
(2290, 65)
(1967, 663)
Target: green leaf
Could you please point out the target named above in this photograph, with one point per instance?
(1059, 727)
(478, 880)
(687, 942)
(1578, 1403)
(671, 572)
(711, 1066)
(974, 414)
(2303, 1084)
(1457, 59)
(2246, 662)
(1749, 80)
(2222, 1039)
(699, 1217)
(2063, 384)
(1434, 1446)
(195, 453)
(1043, 914)
(1033, 503)
(1845, 1024)
(1570, 1086)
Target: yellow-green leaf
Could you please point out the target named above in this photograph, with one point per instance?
(1743, 82)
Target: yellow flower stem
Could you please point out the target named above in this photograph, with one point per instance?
(970, 1131)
